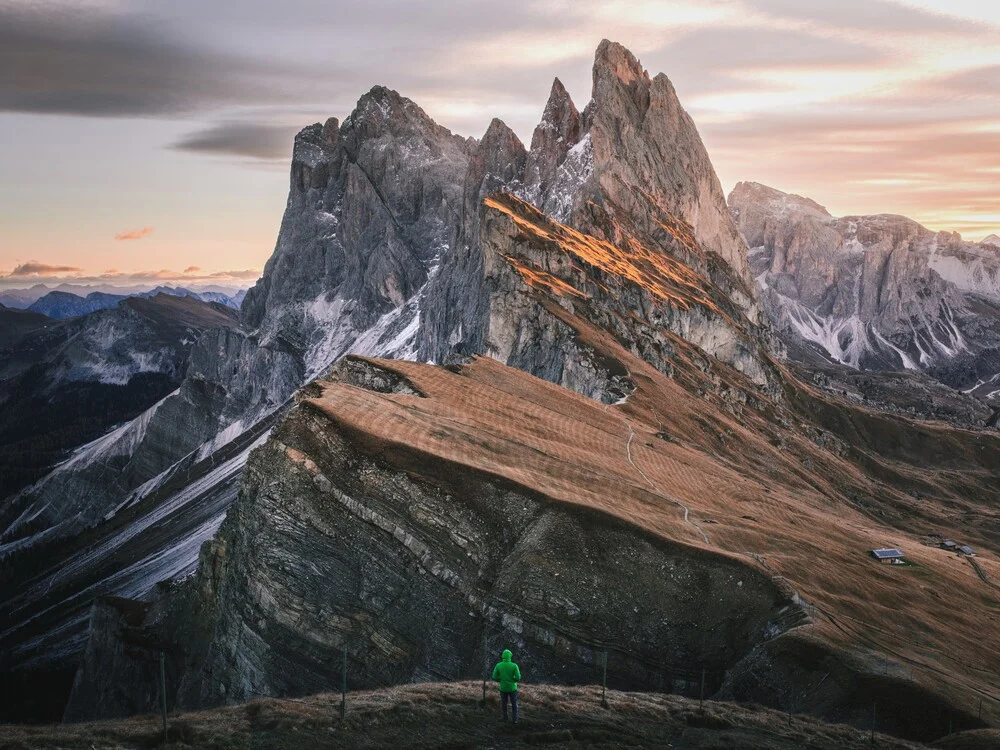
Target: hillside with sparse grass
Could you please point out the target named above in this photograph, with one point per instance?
(451, 715)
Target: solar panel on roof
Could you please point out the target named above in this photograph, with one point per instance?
(886, 553)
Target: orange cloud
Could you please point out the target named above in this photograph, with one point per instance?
(34, 268)
(189, 274)
(247, 273)
(134, 234)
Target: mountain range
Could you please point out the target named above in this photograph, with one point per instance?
(878, 294)
(577, 414)
(64, 383)
(60, 304)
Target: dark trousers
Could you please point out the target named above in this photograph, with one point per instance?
(512, 697)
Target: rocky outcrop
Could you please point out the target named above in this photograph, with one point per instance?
(373, 204)
(559, 131)
(631, 168)
(874, 292)
(650, 165)
(636, 290)
(452, 317)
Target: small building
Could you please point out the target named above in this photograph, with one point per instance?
(966, 550)
(889, 555)
(949, 545)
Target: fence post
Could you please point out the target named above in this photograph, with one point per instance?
(701, 698)
(604, 682)
(163, 693)
(343, 685)
(874, 703)
(980, 709)
(486, 667)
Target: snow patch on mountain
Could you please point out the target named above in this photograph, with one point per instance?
(572, 174)
(972, 269)
(186, 518)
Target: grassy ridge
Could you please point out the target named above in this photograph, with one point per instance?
(451, 715)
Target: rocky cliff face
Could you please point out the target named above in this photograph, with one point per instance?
(631, 168)
(875, 292)
(635, 289)
(372, 205)
(405, 513)
(650, 165)
(380, 253)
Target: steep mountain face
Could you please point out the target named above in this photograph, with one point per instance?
(631, 169)
(650, 165)
(875, 292)
(667, 503)
(381, 253)
(64, 383)
(405, 513)
(374, 206)
(486, 552)
(341, 267)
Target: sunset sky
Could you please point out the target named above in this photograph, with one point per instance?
(144, 140)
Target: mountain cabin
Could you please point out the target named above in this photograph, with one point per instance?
(888, 556)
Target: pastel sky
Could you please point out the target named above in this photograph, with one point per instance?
(143, 140)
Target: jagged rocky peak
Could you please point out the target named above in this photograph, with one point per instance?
(331, 132)
(559, 130)
(451, 312)
(992, 239)
(384, 111)
(631, 169)
(375, 202)
(615, 66)
(649, 163)
(498, 163)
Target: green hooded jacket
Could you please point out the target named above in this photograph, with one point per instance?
(507, 674)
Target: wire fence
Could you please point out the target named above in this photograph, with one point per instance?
(875, 708)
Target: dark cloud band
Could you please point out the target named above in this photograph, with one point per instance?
(256, 141)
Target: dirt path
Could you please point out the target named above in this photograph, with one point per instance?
(981, 573)
(652, 485)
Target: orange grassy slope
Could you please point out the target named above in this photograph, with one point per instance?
(652, 462)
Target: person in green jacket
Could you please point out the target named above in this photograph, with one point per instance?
(508, 675)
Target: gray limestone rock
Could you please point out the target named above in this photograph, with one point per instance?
(875, 292)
